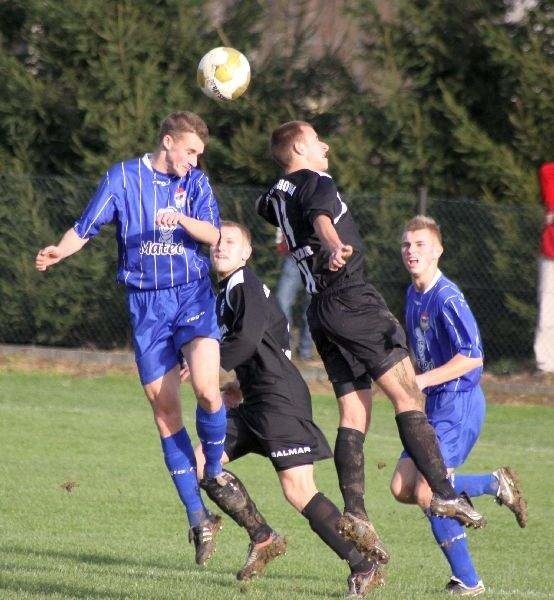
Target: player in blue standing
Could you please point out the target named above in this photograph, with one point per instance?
(446, 345)
(164, 209)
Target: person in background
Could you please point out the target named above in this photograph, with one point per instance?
(288, 287)
(544, 333)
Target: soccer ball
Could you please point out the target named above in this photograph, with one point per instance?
(223, 74)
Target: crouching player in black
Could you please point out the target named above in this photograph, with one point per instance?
(274, 419)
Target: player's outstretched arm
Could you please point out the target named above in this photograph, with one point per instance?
(328, 236)
(68, 245)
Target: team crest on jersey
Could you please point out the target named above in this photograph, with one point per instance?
(424, 321)
(166, 233)
(165, 244)
(180, 197)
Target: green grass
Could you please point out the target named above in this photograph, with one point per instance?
(121, 532)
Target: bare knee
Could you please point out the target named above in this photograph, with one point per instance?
(402, 493)
(166, 408)
(355, 410)
(423, 495)
(298, 488)
(208, 398)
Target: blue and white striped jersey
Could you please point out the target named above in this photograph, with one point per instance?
(440, 324)
(131, 195)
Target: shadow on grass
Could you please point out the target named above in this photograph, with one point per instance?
(47, 588)
(14, 579)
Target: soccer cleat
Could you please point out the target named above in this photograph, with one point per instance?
(510, 494)
(364, 536)
(359, 584)
(457, 588)
(203, 536)
(459, 508)
(260, 554)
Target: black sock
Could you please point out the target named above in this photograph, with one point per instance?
(234, 500)
(420, 442)
(349, 462)
(323, 517)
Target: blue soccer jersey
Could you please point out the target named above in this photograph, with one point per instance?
(132, 194)
(440, 324)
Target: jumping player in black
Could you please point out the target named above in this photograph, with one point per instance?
(273, 420)
(357, 337)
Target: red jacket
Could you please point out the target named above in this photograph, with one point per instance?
(546, 182)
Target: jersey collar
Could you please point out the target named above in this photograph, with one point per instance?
(433, 281)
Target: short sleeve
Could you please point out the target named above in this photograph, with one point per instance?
(206, 204)
(461, 327)
(99, 211)
(319, 198)
(264, 207)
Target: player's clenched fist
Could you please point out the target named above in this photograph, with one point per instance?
(169, 219)
(339, 256)
(47, 257)
(231, 394)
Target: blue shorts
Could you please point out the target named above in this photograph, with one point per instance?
(457, 418)
(164, 320)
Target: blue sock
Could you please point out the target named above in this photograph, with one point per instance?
(181, 464)
(475, 484)
(211, 428)
(451, 537)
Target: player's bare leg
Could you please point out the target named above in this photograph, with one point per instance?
(202, 357)
(403, 481)
(420, 441)
(164, 398)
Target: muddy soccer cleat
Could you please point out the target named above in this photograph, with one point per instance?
(260, 554)
(364, 536)
(459, 508)
(359, 584)
(203, 536)
(510, 494)
(456, 588)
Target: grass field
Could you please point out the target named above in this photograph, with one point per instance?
(87, 509)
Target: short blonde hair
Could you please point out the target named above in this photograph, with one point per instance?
(423, 222)
(181, 122)
(244, 230)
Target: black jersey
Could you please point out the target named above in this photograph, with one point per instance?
(292, 204)
(255, 343)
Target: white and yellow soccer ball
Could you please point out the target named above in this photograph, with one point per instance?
(223, 73)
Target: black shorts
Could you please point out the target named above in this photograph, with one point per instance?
(355, 333)
(287, 440)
